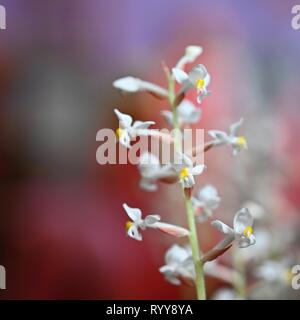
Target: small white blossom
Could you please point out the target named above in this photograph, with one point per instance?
(187, 113)
(238, 143)
(128, 130)
(131, 84)
(205, 201)
(190, 55)
(275, 271)
(150, 221)
(151, 170)
(242, 229)
(179, 264)
(186, 170)
(198, 78)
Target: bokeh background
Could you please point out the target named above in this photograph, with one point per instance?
(61, 222)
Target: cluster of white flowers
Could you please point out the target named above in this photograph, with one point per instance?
(180, 262)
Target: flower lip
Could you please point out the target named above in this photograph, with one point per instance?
(119, 133)
(128, 225)
(184, 172)
(248, 231)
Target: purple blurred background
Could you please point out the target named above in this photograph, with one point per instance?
(61, 222)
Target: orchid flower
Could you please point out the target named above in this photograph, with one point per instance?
(275, 271)
(128, 130)
(179, 265)
(186, 170)
(150, 221)
(198, 78)
(242, 229)
(238, 143)
(151, 171)
(205, 201)
(187, 113)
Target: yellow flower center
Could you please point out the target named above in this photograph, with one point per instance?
(242, 142)
(288, 276)
(128, 225)
(200, 84)
(248, 231)
(119, 133)
(184, 172)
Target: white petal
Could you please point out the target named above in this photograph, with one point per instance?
(233, 129)
(176, 254)
(142, 124)
(168, 116)
(134, 214)
(124, 119)
(125, 139)
(128, 84)
(151, 219)
(148, 185)
(134, 233)
(179, 75)
(224, 228)
(199, 72)
(193, 52)
(198, 169)
(171, 229)
(242, 219)
(218, 135)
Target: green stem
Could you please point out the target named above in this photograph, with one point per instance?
(193, 238)
(200, 284)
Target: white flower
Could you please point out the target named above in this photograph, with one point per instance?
(275, 271)
(150, 221)
(198, 78)
(128, 131)
(186, 170)
(187, 113)
(205, 201)
(151, 170)
(179, 265)
(242, 229)
(238, 143)
(131, 84)
(190, 55)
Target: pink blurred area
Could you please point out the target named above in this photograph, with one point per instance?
(62, 231)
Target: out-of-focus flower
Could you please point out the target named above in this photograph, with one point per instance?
(128, 131)
(187, 113)
(151, 171)
(242, 229)
(238, 143)
(262, 249)
(198, 78)
(190, 55)
(131, 85)
(179, 265)
(150, 221)
(186, 170)
(205, 201)
(275, 271)
(226, 294)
